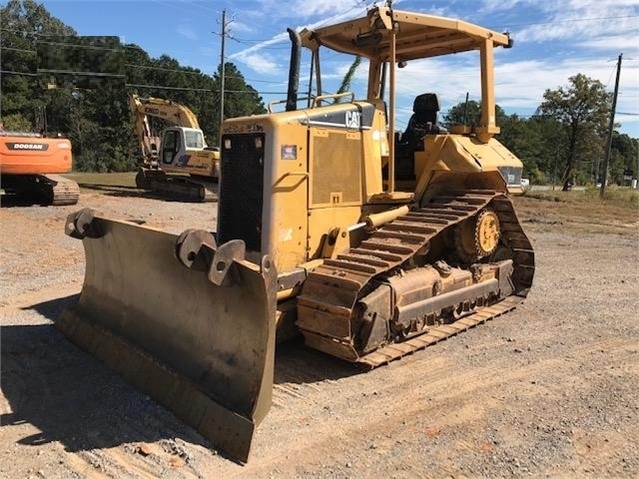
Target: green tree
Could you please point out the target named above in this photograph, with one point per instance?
(582, 110)
(623, 157)
(92, 110)
(16, 122)
(469, 113)
(522, 137)
(348, 77)
(24, 23)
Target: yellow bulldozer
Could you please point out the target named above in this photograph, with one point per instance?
(371, 244)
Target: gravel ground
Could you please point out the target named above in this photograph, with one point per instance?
(548, 390)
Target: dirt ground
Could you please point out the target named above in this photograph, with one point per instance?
(549, 390)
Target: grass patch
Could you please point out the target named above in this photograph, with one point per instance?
(89, 180)
(582, 210)
(620, 197)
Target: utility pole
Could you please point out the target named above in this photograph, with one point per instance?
(222, 79)
(610, 128)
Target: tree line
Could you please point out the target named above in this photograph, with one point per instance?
(564, 141)
(79, 86)
(56, 80)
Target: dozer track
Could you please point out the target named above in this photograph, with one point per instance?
(327, 306)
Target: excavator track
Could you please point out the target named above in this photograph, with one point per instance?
(331, 291)
(177, 187)
(47, 190)
(61, 190)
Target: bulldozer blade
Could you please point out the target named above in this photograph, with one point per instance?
(202, 347)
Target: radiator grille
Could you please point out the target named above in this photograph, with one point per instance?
(241, 188)
(336, 168)
(512, 175)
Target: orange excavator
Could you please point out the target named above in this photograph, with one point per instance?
(31, 167)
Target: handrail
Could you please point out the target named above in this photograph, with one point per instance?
(321, 98)
(278, 102)
(302, 174)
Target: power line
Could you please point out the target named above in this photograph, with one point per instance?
(39, 33)
(93, 47)
(134, 47)
(73, 72)
(171, 70)
(131, 65)
(569, 21)
(357, 5)
(9, 72)
(255, 81)
(160, 87)
(18, 49)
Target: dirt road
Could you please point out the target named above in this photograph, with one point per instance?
(549, 390)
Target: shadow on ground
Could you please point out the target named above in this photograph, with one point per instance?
(10, 201)
(116, 190)
(73, 398)
(134, 192)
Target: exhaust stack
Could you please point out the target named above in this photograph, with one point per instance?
(294, 70)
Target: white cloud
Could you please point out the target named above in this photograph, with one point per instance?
(186, 31)
(490, 6)
(240, 27)
(583, 19)
(305, 9)
(622, 43)
(261, 63)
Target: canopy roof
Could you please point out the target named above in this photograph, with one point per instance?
(418, 35)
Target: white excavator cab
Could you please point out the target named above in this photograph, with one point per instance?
(178, 143)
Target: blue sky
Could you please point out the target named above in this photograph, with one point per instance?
(553, 41)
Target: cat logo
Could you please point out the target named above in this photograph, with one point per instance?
(353, 119)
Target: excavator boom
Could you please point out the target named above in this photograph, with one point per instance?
(171, 112)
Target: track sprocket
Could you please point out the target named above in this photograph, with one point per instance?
(478, 236)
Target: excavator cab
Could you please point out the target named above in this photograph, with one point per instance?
(179, 143)
(317, 233)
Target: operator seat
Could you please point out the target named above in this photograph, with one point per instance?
(424, 119)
